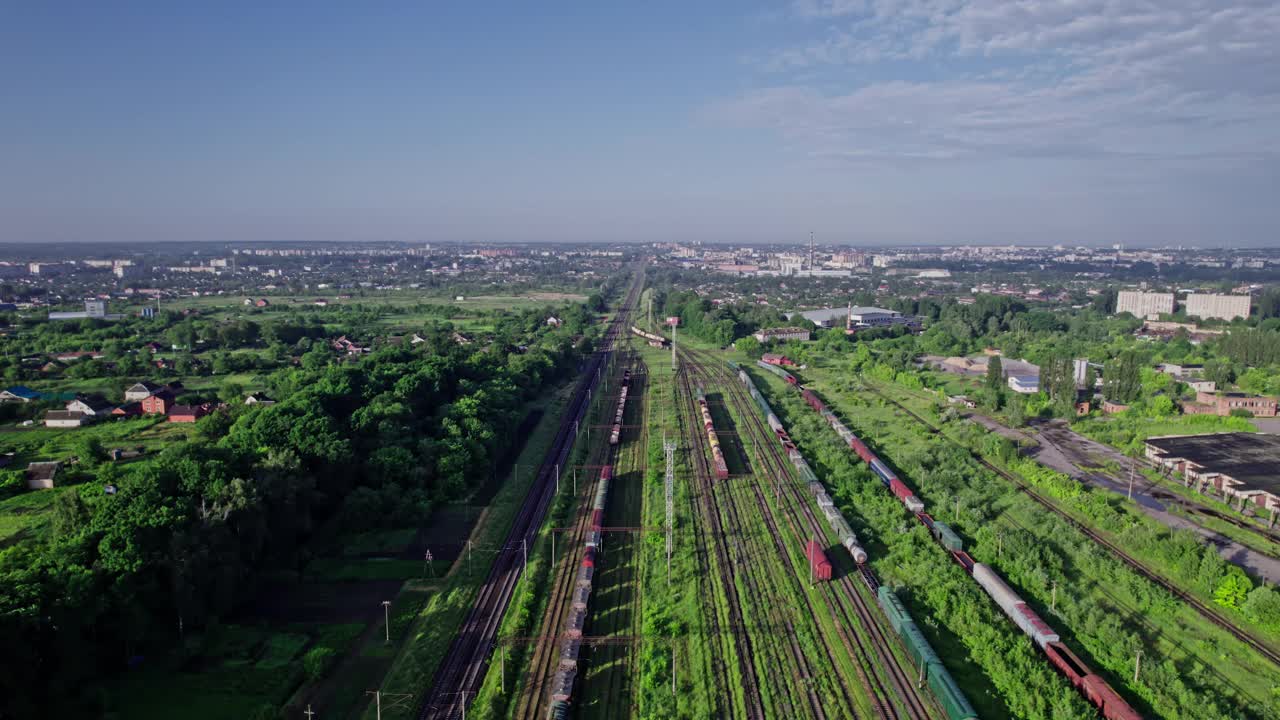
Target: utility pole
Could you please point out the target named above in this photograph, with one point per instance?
(524, 550)
(670, 449)
(1000, 544)
(956, 516)
(308, 712)
(1053, 604)
(502, 665)
(1137, 665)
(557, 478)
(377, 702)
(386, 619)
(1131, 479)
(468, 558)
(673, 348)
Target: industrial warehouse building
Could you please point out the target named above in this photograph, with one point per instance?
(1240, 466)
(791, 333)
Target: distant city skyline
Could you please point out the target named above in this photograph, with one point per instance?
(873, 123)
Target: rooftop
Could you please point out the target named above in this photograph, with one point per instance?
(1251, 458)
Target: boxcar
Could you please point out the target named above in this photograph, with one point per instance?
(818, 562)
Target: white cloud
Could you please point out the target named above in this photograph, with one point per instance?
(950, 79)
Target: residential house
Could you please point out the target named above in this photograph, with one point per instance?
(158, 404)
(188, 413)
(65, 419)
(130, 409)
(141, 391)
(261, 302)
(258, 399)
(344, 345)
(554, 321)
(93, 406)
(40, 475)
(19, 393)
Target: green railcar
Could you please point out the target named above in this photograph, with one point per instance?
(948, 693)
(939, 680)
(948, 537)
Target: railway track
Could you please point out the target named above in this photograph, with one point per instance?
(535, 694)
(848, 604)
(712, 534)
(608, 678)
(727, 500)
(1137, 565)
(459, 676)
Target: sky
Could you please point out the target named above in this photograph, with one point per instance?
(867, 122)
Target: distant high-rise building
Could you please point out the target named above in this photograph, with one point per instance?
(1143, 304)
(1222, 307)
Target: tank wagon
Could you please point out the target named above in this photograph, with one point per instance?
(615, 433)
(717, 454)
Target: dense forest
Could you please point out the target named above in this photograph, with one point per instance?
(143, 553)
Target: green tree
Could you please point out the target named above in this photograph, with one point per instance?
(1232, 589)
(995, 373)
(317, 661)
(750, 346)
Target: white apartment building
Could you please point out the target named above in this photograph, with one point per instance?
(1144, 304)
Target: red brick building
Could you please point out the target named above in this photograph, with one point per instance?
(157, 404)
(1208, 403)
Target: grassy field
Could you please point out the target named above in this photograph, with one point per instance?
(235, 671)
(1103, 609)
(37, 442)
(25, 517)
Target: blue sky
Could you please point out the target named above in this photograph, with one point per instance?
(866, 121)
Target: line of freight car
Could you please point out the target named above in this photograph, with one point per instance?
(616, 432)
(460, 675)
(887, 476)
(717, 455)
(1093, 687)
(767, 367)
(931, 668)
(654, 340)
(835, 520)
(567, 673)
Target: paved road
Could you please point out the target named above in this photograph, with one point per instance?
(1059, 447)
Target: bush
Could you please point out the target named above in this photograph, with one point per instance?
(317, 661)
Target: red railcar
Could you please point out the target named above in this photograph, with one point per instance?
(897, 487)
(861, 449)
(814, 401)
(819, 565)
(597, 519)
(606, 472)
(1113, 706)
(963, 558)
(589, 558)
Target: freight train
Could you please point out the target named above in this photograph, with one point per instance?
(654, 340)
(717, 455)
(932, 671)
(616, 433)
(1094, 688)
(571, 642)
(788, 377)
